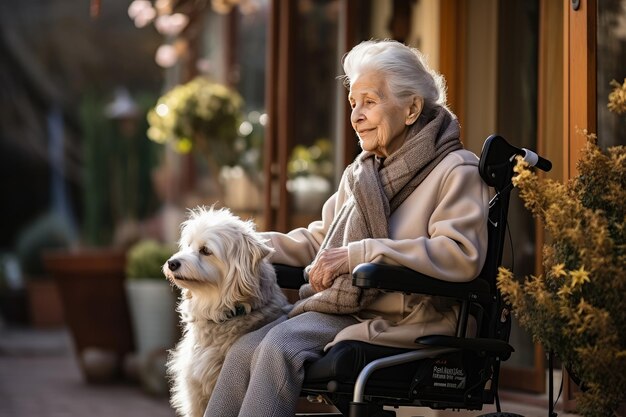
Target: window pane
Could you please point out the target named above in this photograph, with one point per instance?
(243, 184)
(311, 169)
(611, 58)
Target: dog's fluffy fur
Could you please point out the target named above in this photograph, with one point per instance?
(228, 289)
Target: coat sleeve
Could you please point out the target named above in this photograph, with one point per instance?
(451, 234)
(299, 246)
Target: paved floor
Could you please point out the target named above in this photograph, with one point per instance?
(39, 377)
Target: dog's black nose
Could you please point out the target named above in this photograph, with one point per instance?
(173, 265)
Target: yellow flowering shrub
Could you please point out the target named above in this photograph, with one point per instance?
(577, 308)
(200, 115)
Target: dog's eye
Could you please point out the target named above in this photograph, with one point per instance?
(205, 251)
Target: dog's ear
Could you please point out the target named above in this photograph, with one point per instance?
(255, 245)
(257, 248)
(242, 281)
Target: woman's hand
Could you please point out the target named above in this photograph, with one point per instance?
(330, 264)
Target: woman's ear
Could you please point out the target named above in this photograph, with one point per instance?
(415, 110)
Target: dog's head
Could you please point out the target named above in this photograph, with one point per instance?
(219, 259)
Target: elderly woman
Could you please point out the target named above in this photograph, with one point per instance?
(412, 197)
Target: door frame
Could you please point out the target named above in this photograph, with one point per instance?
(579, 102)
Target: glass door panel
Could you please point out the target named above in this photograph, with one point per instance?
(518, 52)
(246, 184)
(611, 59)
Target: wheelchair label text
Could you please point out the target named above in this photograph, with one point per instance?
(445, 377)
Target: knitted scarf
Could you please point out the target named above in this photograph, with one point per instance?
(374, 192)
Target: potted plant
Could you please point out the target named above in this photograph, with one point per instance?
(243, 181)
(201, 118)
(47, 232)
(310, 172)
(576, 309)
(152, 303)
(200, 115)
(91, 284)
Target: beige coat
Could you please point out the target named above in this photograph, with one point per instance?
(439, 230)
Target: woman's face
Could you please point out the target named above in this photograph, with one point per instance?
(380, 121)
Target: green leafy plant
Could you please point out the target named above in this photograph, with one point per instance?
(577, 309)
(200, 115)
(146, 258)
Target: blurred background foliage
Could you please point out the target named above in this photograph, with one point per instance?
(59, 68)
(118, 161)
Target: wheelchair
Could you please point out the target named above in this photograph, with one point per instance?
(443, 372)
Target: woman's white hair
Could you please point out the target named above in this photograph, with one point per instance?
(405, 70)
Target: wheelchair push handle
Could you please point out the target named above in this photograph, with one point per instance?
(497, 160)
(534, 160)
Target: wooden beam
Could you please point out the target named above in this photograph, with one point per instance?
(452, 34)
(579, 92)
(579, 99)
(550, 103)
(279, 131)
(351, 12)
(578, 51)
(270, 201)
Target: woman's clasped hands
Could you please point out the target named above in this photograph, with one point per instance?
(330, 264)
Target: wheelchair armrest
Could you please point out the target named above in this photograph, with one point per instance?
(402, 279)
(482, 346)
(289, 276)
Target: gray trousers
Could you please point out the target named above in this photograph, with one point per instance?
(263, 371)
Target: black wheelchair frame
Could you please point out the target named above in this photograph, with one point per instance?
(443, 372)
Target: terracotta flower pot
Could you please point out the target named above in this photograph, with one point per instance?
(91, 285)
(46, 309)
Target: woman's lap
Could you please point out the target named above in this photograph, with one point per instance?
(310, 330)
(267, 364)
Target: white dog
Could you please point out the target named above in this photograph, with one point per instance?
(228, 289)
